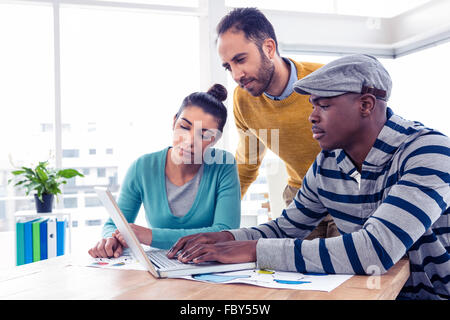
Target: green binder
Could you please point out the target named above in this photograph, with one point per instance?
(23, 244)
(36, 239)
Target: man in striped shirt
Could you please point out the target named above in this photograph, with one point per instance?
(385, 181)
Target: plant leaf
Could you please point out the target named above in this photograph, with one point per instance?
(32, 185)
(19, 183)
(69, 173)
(42, 179)
(18, 172)
(28, 171)
(41, 174)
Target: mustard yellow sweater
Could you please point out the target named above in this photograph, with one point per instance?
(257, 117)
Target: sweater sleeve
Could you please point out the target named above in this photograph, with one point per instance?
(296, 222)
(227, 211)
(250, 151)
(416, 201)
(129, 201)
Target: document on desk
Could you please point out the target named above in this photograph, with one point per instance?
(276, 279)
(258, 277)
(124, 262)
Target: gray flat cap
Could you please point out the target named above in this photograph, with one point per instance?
(358, 73)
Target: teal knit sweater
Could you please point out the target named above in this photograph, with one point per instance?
(216, 207)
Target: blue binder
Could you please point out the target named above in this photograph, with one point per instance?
(43, 239)
(60, 236)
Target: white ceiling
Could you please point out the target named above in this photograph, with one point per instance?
(368, 8)
(384, 28)
(425, 25)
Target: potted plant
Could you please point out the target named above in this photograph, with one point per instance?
(45, 181)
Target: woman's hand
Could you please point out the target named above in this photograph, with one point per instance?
(144, 235)
(107, 248)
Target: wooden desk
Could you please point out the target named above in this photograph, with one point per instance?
(59, 278)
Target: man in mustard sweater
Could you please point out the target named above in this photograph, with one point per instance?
(265, 105)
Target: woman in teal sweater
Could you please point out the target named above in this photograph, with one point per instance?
(185, 189)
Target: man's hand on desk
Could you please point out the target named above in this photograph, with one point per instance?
(213, 246)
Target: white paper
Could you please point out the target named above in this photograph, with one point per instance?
(257, 277)
(125, 262)
(276, 279)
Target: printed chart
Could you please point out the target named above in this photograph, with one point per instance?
(257, 277)
(276, 279)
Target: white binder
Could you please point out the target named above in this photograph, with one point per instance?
(51, 237)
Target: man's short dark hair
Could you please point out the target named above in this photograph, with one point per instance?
(252, 22)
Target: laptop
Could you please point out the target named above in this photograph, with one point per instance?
(156, 261)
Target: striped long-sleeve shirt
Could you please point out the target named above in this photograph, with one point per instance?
(397, 205)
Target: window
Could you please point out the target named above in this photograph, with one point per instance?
(138, 77)
(91, 127)
(46, 127)
(124, 89)
(65, 127)
(419, 79)
(26, 99)
(410, 97)
(101, 172)
(70, 153)
(92, 202)
(122, 80)
(257, 196)
(70, 202)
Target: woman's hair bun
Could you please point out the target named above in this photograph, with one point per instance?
(218, 91)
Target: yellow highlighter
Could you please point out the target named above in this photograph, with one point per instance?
(262, 271)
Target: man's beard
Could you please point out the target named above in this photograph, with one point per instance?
(264, 77)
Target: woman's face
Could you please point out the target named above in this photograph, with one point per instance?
(193, 132)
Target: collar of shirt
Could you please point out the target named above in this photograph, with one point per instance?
(290, 85)
(394, 133)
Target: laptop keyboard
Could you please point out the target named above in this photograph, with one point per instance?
(159, 257)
